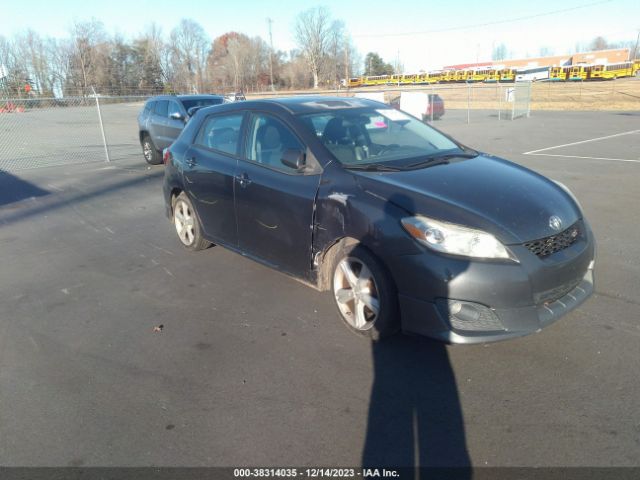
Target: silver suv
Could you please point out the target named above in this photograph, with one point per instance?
(163, 118)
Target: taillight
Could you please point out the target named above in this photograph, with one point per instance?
(166, 156)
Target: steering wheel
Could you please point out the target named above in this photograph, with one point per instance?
(388, 148)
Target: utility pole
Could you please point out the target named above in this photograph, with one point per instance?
(269, 22)
(635, 50)
(346, 62)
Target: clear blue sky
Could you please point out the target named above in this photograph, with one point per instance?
(368, 22)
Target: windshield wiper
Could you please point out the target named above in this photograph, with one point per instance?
(374, 167)
(440, 159)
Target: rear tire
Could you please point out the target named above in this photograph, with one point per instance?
(151, 154)
(187, 225)
(365, 294)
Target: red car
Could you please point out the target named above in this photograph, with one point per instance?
(436, 103)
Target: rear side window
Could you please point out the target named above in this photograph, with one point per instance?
(162, 107)
(201, 102)
(221, 133)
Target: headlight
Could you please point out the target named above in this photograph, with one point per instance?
(455, 239)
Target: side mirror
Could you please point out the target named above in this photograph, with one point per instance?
(293, 158)
(176, 116)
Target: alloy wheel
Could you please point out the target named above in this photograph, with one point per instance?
(356, 293)
(147, 150)
(184, 222)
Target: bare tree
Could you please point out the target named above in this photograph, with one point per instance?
(239, 61)
(599, 43)
(312, 33)
(88, 39)
(295, 71)
(189, 49)
(59, 54)
(150, 54)
(499, 52)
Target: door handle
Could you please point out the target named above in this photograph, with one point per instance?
(191, 162)
(243, 180)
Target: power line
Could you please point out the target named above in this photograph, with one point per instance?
(477, 25)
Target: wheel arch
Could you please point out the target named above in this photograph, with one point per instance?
(175, 191)
(326, 259)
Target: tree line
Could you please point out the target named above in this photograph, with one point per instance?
(186, 60)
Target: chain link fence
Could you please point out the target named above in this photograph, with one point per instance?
(457, 103)
(86, 126)
(96, 127)
(39, 132)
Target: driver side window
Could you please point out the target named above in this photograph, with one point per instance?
(268, 139)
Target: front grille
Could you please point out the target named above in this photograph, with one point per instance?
(550, 245)
(555, 293)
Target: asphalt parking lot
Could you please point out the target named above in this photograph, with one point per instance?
(253, 368)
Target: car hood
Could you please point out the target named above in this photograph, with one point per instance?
(484, 192)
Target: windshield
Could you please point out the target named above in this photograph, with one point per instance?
(201, 102)
(372, 136)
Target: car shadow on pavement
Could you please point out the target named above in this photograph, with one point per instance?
(18, 189)
(14, 189)
(415, 418)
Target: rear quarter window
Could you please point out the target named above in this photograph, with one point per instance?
(162, 108)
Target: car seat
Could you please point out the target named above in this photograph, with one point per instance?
(268, 145)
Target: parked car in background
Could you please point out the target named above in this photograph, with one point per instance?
(163, 118)
(435, 105)
(235, 97)
(406, 227)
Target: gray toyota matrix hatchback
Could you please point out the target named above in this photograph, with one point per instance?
(407, 228)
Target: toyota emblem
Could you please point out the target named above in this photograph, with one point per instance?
(555, 223)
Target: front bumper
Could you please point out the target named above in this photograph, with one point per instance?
(506, 300)
(425, 318)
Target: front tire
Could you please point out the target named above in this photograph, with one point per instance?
(151, 154)
(365, 294)
(187, 225)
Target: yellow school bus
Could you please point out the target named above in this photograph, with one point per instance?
(462, 75)
(578, 73)
(448, 76)
(617, 70)
(493, 76)
(408, 79)
(353, 82)
(376, 80)
(435, 77)
(508, 75)
(478, 75)
(558, 74)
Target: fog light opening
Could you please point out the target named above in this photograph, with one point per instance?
(469, 316)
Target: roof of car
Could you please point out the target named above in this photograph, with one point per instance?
(186, 97)
(198, 97)
(307, 103)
